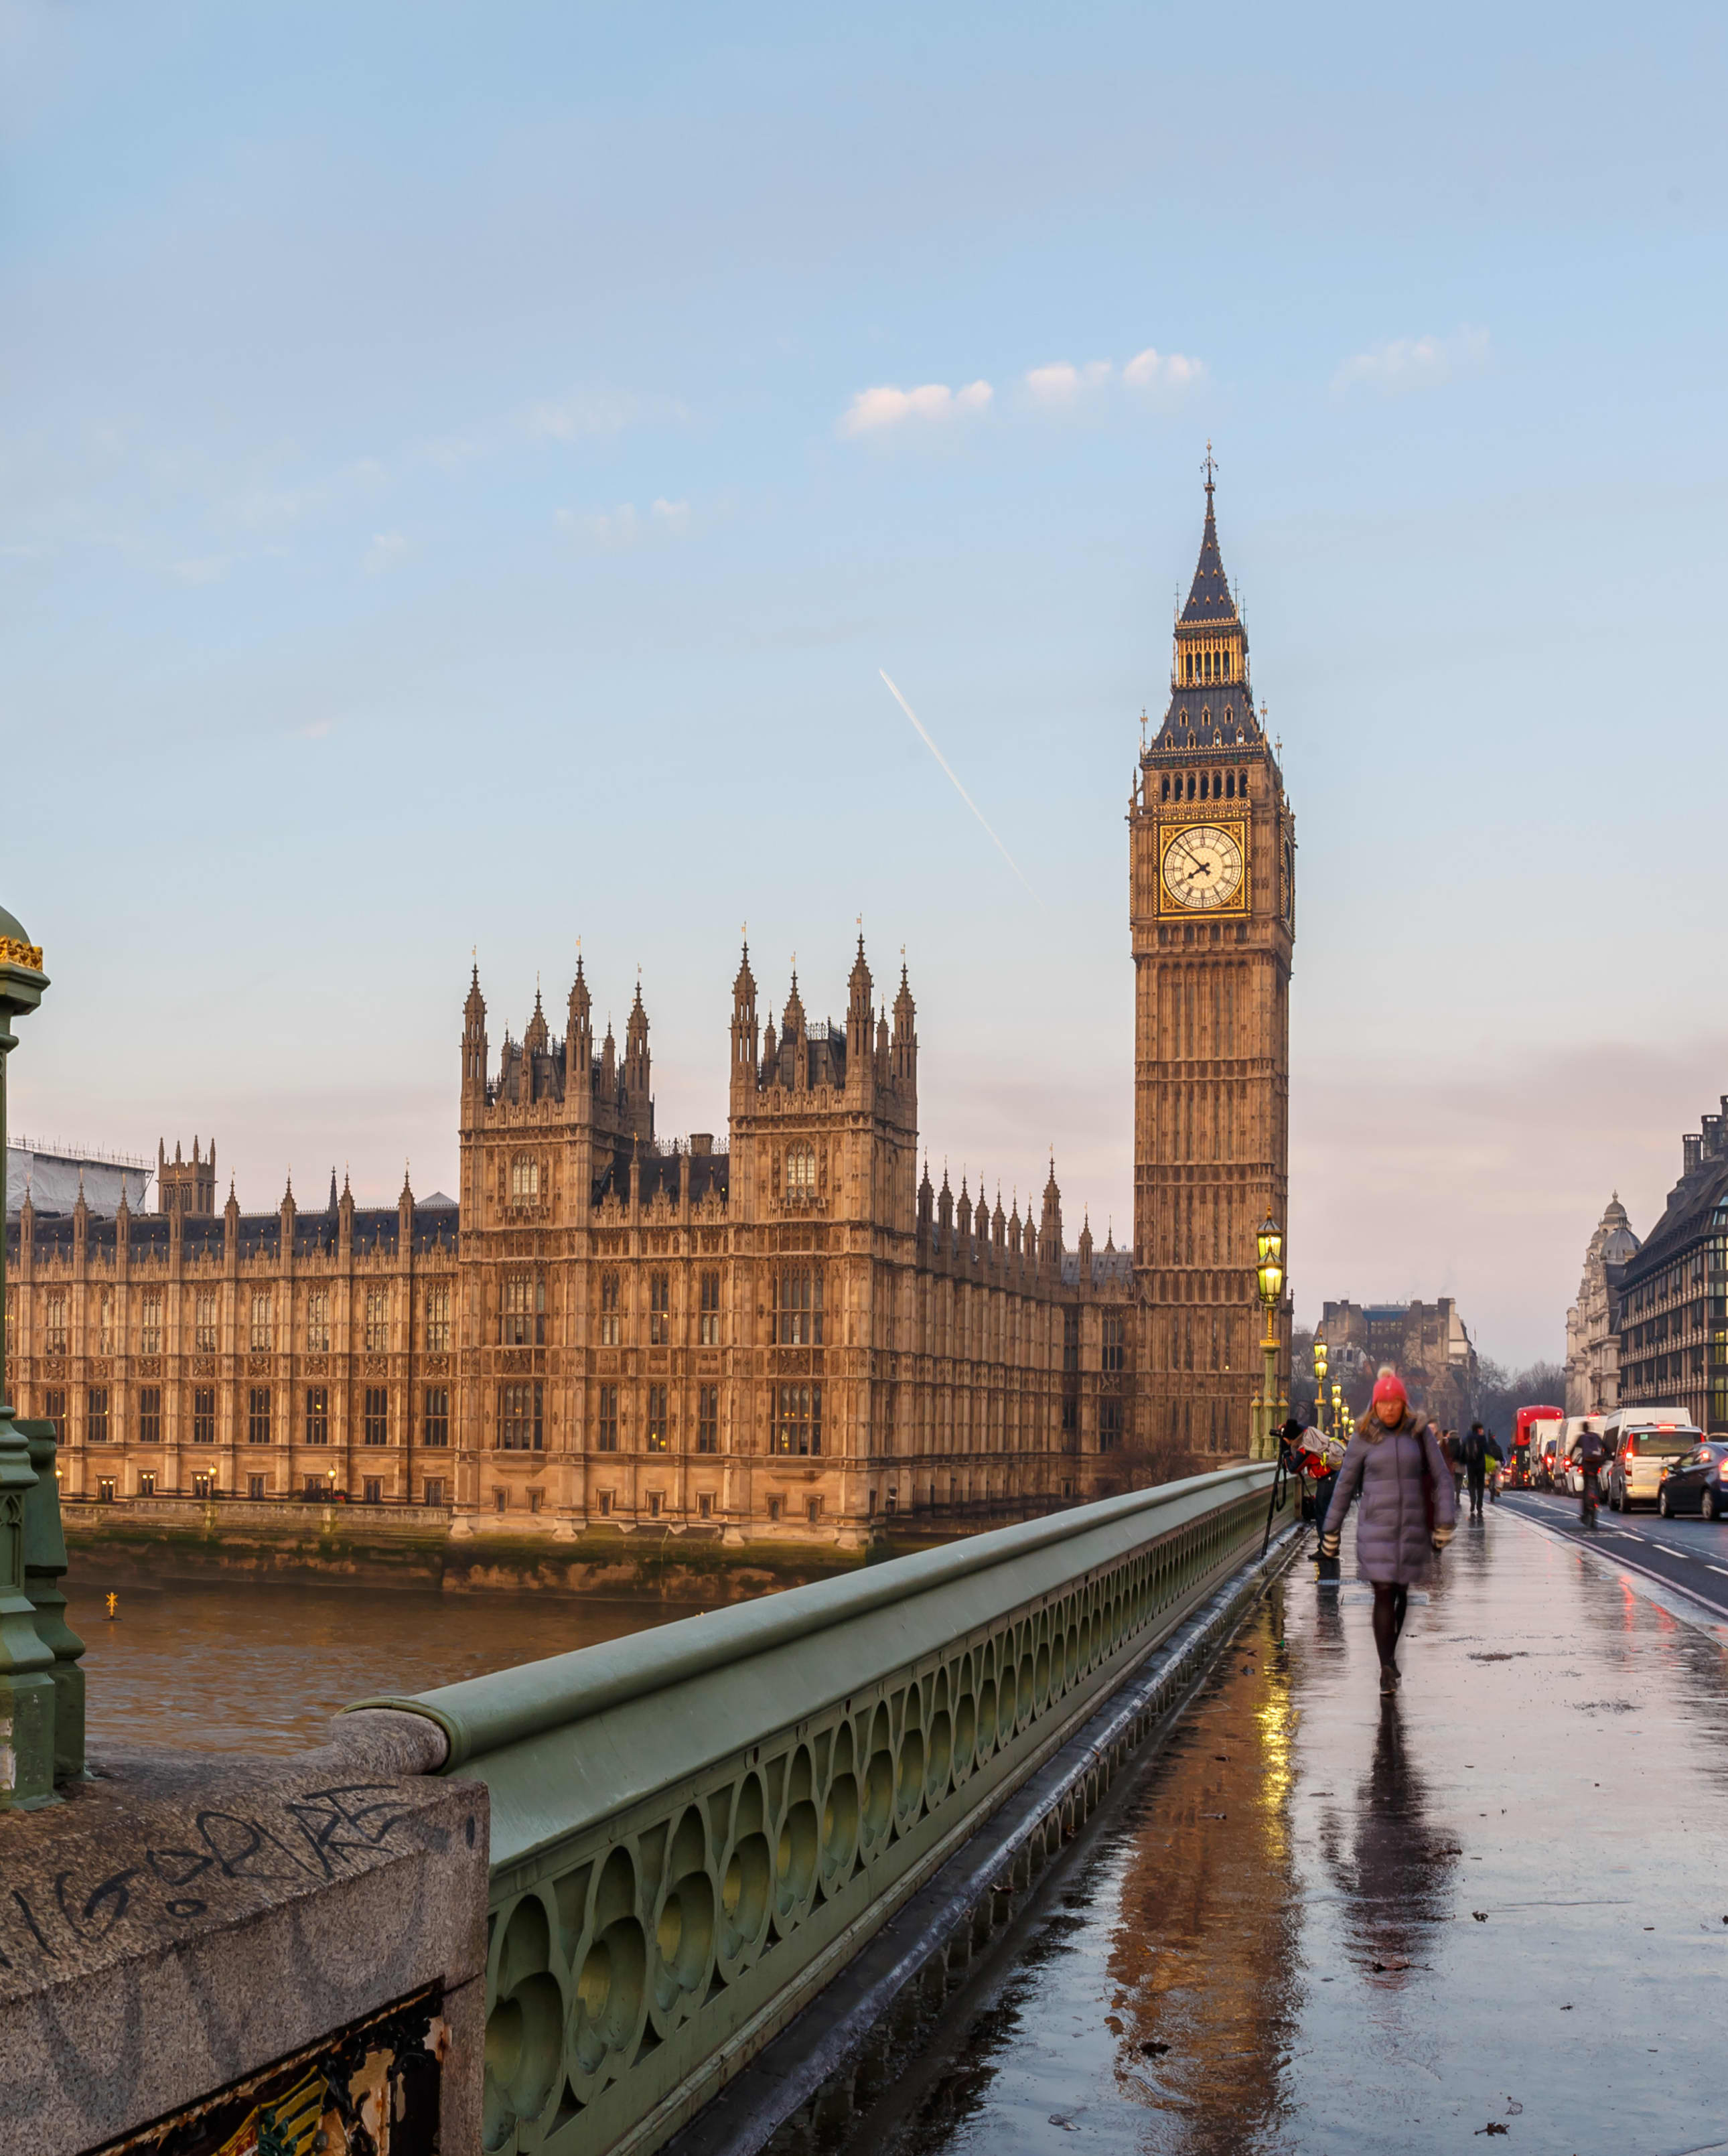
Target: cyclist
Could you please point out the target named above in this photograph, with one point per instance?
(1590, 1458)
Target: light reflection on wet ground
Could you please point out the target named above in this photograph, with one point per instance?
(260, 1666)
(1272, 1946)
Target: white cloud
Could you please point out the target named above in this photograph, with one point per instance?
(873, 409)
(1423, 362)
(208, 569)
(1061, 382)
(386, 550)
(615, 529)
(584, 414)
(1152, 369)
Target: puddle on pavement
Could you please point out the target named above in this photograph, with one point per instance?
(1319, 1923)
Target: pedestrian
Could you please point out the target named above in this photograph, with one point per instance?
(1319, 1458)
(1475, 1456)
(1408, 1508)
(1498, 1459)
(1590, 1458)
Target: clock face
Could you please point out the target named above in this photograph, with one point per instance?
(1202, 867)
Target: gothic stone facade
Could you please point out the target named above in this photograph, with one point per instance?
(1672, 1292)
(792, 1335)
(1592, 1336)
(1427, 1343)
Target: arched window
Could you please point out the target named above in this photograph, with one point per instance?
(525, 1180)
(1165, 795)
(611, 1323)
(523, 1322)
(1203, 785)
(800, 1173)
(1190, 785)
(1230, 785)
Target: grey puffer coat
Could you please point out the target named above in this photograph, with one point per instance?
(1395, 1469)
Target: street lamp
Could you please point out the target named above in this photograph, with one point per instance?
(1269, 1245)
(1338, 1407)
(1319, 1382)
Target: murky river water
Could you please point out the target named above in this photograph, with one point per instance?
(260, 1666)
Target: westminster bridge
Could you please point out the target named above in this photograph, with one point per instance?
(1095, 1824)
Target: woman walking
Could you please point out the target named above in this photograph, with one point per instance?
(1408, 1507)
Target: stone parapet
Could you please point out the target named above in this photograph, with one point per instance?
(187, 1940)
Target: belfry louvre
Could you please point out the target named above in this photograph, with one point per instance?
(793, 1335)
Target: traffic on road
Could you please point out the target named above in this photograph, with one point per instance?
(1684, 1550)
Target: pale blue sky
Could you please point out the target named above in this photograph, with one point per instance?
(442, 503)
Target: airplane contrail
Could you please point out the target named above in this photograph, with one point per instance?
(958, 788)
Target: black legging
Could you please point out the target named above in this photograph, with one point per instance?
(1392, 1599)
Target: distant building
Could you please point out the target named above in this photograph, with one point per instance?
(1592, 1336)
(1427, 1343)
(185, 1187)
(54, 1176)
(1673, 1311)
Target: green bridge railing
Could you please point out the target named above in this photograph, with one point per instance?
(695, 1828)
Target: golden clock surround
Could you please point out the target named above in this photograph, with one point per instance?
(1235, 828)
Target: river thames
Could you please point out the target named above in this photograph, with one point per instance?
(246, 1665)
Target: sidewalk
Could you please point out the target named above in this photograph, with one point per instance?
(1276, 1944)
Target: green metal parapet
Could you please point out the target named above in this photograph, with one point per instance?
(694, 1828)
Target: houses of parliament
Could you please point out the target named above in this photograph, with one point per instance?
(791, 1334)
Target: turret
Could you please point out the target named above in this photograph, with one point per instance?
(860, 1075)
(579, 1050)
(1049, 1238)
(743, 1063)
(906, 1038)
(794, 1049)
(639, 1099)
(473, 1050)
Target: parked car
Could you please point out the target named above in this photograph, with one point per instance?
(1645, 1443)
(1697, 1483)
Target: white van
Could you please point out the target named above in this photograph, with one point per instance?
(1643, 1442)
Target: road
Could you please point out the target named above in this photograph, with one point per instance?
(1690, 1553)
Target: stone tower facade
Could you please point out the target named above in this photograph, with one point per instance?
(185, 1187)
(1211, 900)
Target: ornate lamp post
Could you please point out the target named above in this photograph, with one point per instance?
(1319, 1382)
(1338, 1407)
(1269, 1275)
(27, 1684)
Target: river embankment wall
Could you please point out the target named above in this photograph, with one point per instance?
(381, 1545)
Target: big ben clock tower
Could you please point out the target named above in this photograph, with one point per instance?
(1211, 879)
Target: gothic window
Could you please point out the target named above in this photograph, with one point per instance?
(606, 1430)
(518, 1418)
(710, 1310)
(259, 1336)
(525, 1180)
(204, 1415)
(611, 1324)
(438, 1319)
(657, 1418)
(1242, 785)
(1070, 1339)
(708, 1419)
(800, 1173)
(1190, 779)
(258, 1414)
(149, 1330)
(659, 1309)
(318, 1322)
(96, 1428)
(797, 1308)
(106, 1324)
(375, 1419)
(1110, 1424)
(523, 1323)
(797, 1426)
(1165, 794)
(318, 1414)
(57, 1324)
(149, 1414)
(436, 1425)
(1204, 777)
(378, 1321)
(1112, 1340)
(1229, 786)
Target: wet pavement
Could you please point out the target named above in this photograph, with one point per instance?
(1493, 1907)
(1690, 1553)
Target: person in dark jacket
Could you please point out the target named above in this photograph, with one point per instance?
(1475, 1451)
(1408, 1509)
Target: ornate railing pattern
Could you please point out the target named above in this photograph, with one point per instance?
(694, 1828)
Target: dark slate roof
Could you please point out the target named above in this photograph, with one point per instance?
(435, 1227)
(1687, 1216)
(1210, 599)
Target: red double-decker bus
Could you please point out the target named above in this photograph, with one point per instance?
(1532, 1442)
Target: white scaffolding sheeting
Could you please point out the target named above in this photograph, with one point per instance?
(52, 1178)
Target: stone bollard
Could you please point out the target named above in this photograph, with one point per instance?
(44, 1567)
